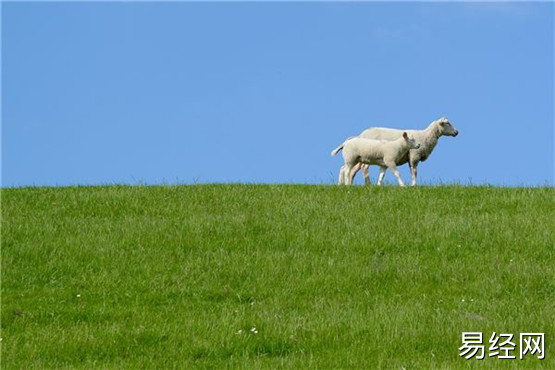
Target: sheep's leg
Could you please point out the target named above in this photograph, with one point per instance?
(348, 177)
(350, 172)
(354, 170)
(343, 175)
(393, 169)
(365, 174)
(413, 173)
(341, 180)
(382, 174)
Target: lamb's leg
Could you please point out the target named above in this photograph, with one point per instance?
(343, 175)
(413, 172)
(354, 170)
(347, 175)
(393, 169)
(365, 174)
(382, 174)
(341, 180)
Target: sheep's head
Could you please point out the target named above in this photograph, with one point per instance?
(446, 128)
(410, 141)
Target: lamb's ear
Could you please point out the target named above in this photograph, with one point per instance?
(405, 136)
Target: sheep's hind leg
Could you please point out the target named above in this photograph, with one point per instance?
(352, 173)
(354, 170)
(341, 180)
(382, 174)
(347, 175)
(366, 175)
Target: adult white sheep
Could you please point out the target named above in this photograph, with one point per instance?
(384, 153)
(427, 138)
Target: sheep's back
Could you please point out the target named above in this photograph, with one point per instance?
(382, 133)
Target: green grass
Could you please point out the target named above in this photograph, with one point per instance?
(331, 277)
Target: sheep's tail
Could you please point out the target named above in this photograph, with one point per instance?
(338, 149)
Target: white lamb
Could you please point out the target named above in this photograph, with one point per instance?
(384, 153)
(428, 139)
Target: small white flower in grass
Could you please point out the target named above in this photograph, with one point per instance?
(1, 339)
(254, 330)
(240, 332)
(462, 300)
(78, 295)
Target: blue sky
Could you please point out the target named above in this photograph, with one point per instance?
(187, 92)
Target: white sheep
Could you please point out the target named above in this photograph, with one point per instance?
(428, 139)
(384, 153)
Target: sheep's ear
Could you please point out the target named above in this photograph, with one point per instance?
(405, 136)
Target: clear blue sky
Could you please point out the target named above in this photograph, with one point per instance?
(184, 92)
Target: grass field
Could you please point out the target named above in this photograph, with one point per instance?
(273, 275)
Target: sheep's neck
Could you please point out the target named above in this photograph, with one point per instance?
(403, 148)
(429, 142)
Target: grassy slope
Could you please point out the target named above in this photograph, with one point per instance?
(329, 276)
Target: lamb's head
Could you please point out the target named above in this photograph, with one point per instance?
(446, 128)
(410, 141)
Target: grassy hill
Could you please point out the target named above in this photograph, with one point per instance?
(273, 275)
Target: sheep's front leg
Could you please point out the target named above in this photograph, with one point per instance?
(393, 169)
(365, 174)
(382, 174)
(413, 173)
